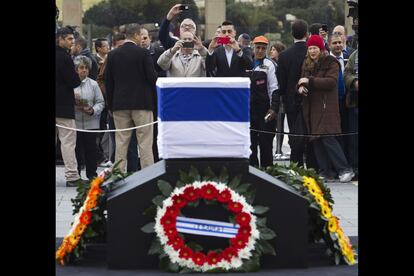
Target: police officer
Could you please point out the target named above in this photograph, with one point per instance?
(263, 84)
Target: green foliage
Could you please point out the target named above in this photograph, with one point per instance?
(317, 224)
(148, 228)
(165, 187)
(113, 13)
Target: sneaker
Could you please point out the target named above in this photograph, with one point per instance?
(106, 163)
(346, 177)
(74, 183)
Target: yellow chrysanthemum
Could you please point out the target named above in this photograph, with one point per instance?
(350, 256)
(314, 189)
(80, 228)
(306, 181)
(326, 212)
(319, 199)
(340, 233)
(333, 224)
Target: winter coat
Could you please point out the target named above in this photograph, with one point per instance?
(66, 80)
(174, 67)
(320, 106)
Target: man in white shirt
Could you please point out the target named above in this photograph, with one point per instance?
(225, 56)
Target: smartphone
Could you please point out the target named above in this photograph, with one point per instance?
(183, 8)
(188, 44)
(223, 40)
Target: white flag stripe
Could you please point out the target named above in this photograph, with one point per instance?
(204, 82)
(204, 227)
(205, 233)
(206, 221)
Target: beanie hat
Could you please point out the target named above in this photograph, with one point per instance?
(316, 40)
(260, 39)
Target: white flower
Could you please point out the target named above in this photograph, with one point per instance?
(236, 262)
(255, 233)
(224, 264)
(177, 191)
(245, 253)
(167, 202)
(198, 184)
(221, 187)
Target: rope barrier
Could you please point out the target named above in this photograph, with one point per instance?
(261, 131)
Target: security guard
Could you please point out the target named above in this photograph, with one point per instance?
(263, 84)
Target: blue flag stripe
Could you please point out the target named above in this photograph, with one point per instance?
(218, 104)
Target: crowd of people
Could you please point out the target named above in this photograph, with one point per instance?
(314, 83)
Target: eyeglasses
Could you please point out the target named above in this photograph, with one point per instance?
(337, 33)
(228, 31)
(188, 26)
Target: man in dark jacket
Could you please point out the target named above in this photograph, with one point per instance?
(227, 60)
(129, 79)
(288, 73)
(66, 80)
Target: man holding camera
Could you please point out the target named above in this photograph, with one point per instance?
(187, 25)
(225, 56)
(186, 58)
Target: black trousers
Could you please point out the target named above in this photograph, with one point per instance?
(353, 139)
(299, 151)
(262, 140)
(329, 155)
(86, 152)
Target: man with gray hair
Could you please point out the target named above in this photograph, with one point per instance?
(187, 25)
(129, 80)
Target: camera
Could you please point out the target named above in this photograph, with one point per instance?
(183, 8)
(353, 8)
(223, 40)
(188, 45)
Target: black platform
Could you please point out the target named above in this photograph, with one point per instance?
(94, 263)
(128, 245)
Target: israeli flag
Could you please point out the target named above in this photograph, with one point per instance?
(206, 227)
(203, 117)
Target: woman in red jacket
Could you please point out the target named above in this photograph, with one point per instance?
(318, 85)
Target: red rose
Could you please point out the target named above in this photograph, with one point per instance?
(238, 242)
(179, 201)
(168, 221)
(229, 253)
(209, 192)
(243, 218)
(171, 232)
(172, 211)
(199, 258)
(191, 194)
(244, 231)
(235, 207)
(224, 196)
(177, 242)
(186, 252)
(85, 217)
(213, 258)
